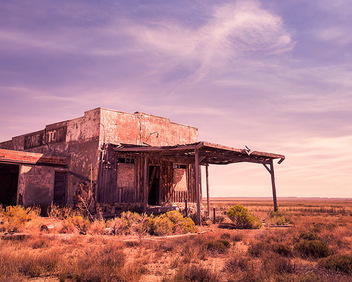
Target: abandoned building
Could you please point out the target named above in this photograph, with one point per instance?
(110, 160)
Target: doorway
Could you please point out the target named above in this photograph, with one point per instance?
(60, 188)
(154, 185)
(8, 184)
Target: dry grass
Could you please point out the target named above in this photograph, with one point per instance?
(316, 248)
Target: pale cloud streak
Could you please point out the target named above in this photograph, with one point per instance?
(232, 31)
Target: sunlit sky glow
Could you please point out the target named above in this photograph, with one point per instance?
(273, 75)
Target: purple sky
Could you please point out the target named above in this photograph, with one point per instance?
(273, 75)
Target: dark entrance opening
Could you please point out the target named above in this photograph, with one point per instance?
(60, 188)
(154, 185)
(8, 184)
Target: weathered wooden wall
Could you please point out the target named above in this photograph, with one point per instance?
(118, 182)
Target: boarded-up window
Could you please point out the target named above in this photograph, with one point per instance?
(126, 180)
(126, 175)
(179, 179)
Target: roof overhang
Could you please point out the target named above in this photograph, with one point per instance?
(209, 153)
(20, 157)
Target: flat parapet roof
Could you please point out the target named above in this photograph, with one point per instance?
(209, 153)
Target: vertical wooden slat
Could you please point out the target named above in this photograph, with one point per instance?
(136, 188)
(161, 183)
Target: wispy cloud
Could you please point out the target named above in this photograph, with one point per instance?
(273, 75)
(233, 30)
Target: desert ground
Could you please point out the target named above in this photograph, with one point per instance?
(308, 239)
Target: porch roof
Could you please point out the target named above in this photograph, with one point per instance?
(209, 153)
(21, 157)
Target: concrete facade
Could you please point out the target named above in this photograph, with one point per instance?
(94, 173)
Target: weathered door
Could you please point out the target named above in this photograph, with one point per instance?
(60, 188)
(154, 185)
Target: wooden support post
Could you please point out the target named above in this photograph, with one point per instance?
(91, 182)
(207, 180)
(213, 215)
(273, 184)
(186, 207)
(197, 186)
(145, 184)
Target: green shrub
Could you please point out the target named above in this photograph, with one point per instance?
(283, 265)
(257, 249)
(217, 246)
(278, 264)
(162, 226)
(237, 263)
(97, 227)
(319, 226)
(188, 225)
(165, 224)
(225, 236)
(81, 224)
(181, 224)
(146, 225)
(130, 221)
(314, 248)
(281, 249)
(67, 226)
(243, 218)
(175, 217)
(238, 237)
(310, 236)
(17, 216)
(115, 225)
(195, 273)
(339, 262)
(279, 218)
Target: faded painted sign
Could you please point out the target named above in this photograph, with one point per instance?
(45, 137)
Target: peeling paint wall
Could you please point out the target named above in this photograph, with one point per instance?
(80, 144)
(35, 185)
(93, 167)
(140, 128)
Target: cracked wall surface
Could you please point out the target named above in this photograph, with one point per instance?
(86, 142)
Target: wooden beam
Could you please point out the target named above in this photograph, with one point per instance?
(20, 157)
(268, 169)
(187, 148)
(242, 151)
(207, 180)
(147, 149)
(273, 184)
(196, 156)
(145, 185)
